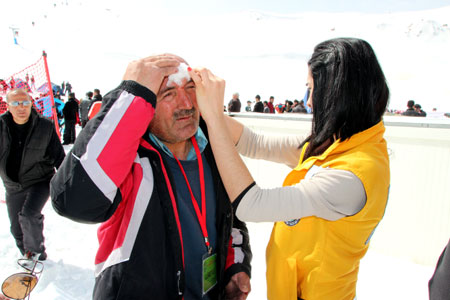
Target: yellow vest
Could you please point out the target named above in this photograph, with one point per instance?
(313, 258)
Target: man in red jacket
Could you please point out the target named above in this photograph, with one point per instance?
(143, 166)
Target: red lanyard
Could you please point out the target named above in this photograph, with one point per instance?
(201, 215)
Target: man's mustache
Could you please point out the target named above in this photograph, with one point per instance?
(184, 113)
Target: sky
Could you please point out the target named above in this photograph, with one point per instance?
(299, 6)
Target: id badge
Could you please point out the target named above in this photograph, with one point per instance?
(209, 272)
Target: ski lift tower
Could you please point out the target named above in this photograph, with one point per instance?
(15, 31)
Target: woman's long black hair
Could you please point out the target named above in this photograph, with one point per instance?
(350, 93)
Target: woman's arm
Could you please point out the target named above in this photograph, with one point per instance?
(283, 149)
(210, 91)
(331, 194)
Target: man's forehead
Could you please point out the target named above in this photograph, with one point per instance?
(18, 94)
(165, 84)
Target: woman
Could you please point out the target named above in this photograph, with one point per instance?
(333, 199)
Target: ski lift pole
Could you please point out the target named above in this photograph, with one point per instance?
(50, 90)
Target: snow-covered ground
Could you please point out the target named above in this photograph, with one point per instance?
(89, 43)
(71, 247)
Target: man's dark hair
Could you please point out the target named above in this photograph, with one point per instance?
(258, 96)
(271, 97)
(89, 94)
(97, 91)
(417, 106)
(350, 92)
(410, 104)
(71, 95)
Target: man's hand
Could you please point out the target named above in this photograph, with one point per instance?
(239, 287)
(150, 71)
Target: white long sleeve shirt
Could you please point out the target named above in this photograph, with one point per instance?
(327, 193)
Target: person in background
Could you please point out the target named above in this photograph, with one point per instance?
(336, 194)
(288, 106)
(30, 151)
(259, 106)
(97, 96)
(266, 108)
(97, 102)
(418, 109)
(3, 105)
(270, 105)
(248, 108)
(70, 113)
(410, 111)
(68, 88)
(299, 108)
(85, 105)
(144, 167)
(235, 104)
(438, 286)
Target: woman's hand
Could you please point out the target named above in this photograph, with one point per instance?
(210, 90)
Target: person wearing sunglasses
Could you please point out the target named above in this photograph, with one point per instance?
(30, 150)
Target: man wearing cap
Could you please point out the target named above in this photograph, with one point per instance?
(30, 150)
(143, 166)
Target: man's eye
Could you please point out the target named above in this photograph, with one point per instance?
(168, 95)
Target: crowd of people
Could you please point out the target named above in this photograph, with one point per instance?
(159, 166)
(258, 106)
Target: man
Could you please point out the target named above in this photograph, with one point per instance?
(235, 104)
(85, 104)
(259, 106)
(248, 108)
(97, 96)
(299, 108)
(410, 111)
(418, 109)
(96, 104)
(144, 167)
(30, 151)
(68, 88)
(70, 113)
(270, 105)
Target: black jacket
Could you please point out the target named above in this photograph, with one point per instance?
(410, 112)
(41, 155)
(259, 107)
(70, 110)
(140, 253)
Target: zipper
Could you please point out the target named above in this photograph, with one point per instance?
(178, 282)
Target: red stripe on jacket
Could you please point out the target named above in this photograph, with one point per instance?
(116, 148)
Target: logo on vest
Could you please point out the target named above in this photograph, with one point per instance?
(292, 222)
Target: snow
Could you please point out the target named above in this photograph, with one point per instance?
(69, 270)
(90, 43)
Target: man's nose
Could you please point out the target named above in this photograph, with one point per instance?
(184, 101)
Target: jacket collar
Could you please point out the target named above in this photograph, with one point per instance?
(374, 133)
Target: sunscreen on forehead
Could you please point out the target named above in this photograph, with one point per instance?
(178, 77)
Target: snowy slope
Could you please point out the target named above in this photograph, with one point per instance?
(90, 43)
